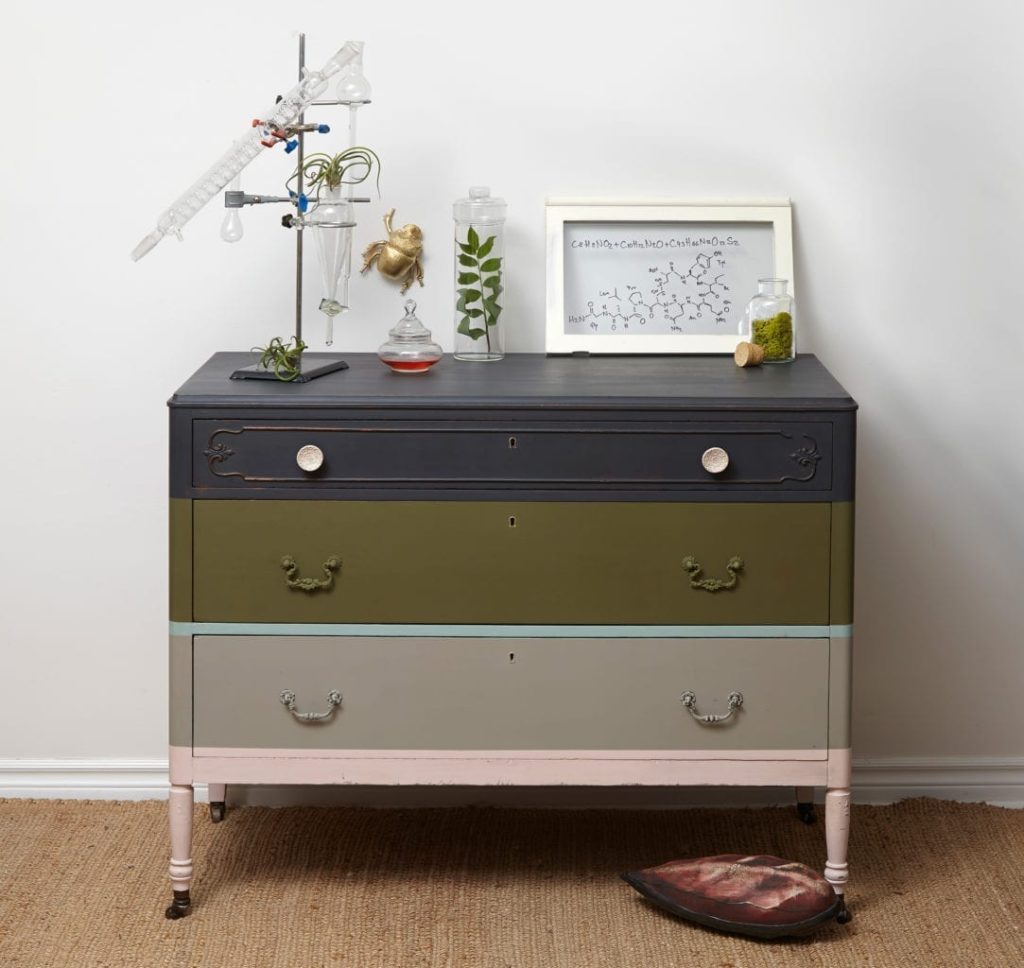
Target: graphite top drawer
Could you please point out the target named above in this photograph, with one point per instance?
(319, 457)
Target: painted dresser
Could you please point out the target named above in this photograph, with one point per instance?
(542, 571)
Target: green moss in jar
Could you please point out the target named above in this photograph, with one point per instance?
(775, 334)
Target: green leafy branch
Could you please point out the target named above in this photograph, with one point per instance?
(480, 278)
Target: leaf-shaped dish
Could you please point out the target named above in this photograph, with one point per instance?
(761, 896)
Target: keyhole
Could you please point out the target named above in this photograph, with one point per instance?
(511, 657)
(512, 443)
(512, 521)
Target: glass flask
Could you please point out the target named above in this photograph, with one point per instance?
(330, 224)
(479, 276)
(769, 321)
(355, 91)
(410, 348)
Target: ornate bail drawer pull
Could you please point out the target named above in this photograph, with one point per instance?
(333, 701)
(693, 566)
(330, 566)
(689, 700)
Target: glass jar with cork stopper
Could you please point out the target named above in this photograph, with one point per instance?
(768, 321)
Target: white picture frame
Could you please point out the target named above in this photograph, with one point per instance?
(594, 244)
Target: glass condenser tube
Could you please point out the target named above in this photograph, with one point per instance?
(245, 149)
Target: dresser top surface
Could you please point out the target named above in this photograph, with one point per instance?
(533, 381)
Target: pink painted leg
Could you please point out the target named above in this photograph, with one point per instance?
(180, 810)
(837, 838)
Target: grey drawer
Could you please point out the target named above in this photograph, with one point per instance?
(509, 694)
(783, 456)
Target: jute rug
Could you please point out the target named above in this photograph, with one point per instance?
(83, 884)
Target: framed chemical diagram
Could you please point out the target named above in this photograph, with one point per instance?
(659, 276)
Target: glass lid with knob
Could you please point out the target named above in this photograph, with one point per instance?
(410, 347)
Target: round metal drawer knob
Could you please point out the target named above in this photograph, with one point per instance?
(714, 460)
(310, 458)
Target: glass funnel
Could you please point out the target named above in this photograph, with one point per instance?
(331, 224)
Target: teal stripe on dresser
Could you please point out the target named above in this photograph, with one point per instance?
(524, 631)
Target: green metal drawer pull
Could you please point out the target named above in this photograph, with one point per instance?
(693, 566)
(710, 719)
(330, 566)
(333, 701)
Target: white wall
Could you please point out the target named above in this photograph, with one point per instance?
(894, 126)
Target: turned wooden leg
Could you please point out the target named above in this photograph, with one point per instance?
(837, 838)
(805, 804)
(218, 794)
(180, 810)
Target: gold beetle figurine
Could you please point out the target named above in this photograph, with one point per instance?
(398, 257)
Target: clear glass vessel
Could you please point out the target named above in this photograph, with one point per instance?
(330, 223)
(769, 321)
(410, 348)
(285, 111)
(479, 276)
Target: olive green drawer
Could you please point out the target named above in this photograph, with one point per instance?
(511, 563)
(515, 694)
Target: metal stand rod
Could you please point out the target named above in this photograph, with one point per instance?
(317, 364)
(298, 194)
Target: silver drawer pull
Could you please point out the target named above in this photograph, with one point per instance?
(714, 460)
(310, 458)
(333, 701)
(710, 719)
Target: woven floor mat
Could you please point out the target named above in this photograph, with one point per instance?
(83, 884)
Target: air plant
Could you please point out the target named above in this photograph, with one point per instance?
(333, 171)
(284, 358)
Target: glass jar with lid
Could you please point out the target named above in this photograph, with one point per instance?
(409, 348)
(479, 276)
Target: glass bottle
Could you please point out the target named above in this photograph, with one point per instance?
(410, 348)
(479, 276)
(769, 321)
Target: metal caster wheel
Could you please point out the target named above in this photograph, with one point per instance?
(805, 811)
(217, 811)
(845, 915)
(180, 906)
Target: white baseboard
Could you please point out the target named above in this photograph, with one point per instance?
(969, 779)
(93, 779)
(989, 779)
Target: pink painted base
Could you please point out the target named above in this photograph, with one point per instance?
(797, 768)
(498, 767)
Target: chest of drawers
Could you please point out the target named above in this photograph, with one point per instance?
(548, 571)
